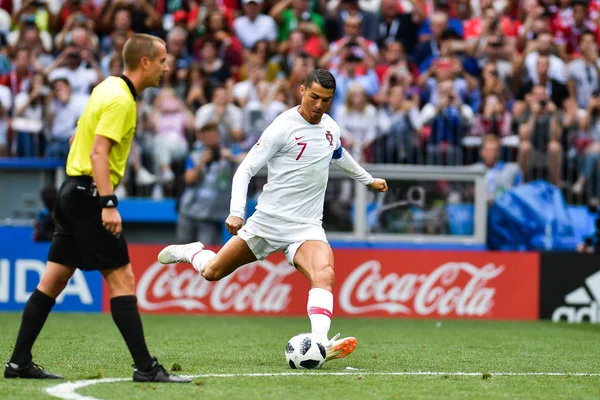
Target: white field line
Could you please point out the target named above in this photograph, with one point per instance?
(67, 390)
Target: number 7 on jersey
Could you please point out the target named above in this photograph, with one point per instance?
(303, 145)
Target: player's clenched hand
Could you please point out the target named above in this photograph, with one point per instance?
(378, 184)
(233, 224)
(111, 220)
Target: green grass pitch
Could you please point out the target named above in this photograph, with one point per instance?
(83, 346)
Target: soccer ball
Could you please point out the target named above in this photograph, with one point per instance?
(306, 351)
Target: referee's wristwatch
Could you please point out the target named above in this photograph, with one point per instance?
(108, 201)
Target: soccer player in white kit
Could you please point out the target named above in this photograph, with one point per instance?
(297, 149)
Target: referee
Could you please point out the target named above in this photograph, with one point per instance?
(88, 226)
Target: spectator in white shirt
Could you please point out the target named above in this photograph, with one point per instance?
(65, 110)
(227, 116)
(543, 46)
(72, 64)
(254, 26)
(357, 120)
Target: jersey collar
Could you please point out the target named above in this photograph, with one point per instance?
(130, 86)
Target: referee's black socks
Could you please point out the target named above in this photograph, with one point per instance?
(127, 318)
(34, 316)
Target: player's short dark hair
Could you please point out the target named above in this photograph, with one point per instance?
(322, 77)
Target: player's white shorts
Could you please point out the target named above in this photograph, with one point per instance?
(265, 234)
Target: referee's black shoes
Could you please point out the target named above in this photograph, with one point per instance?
(158, 374)
(31, 371)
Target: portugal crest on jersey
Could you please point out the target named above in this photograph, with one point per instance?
(329, 137)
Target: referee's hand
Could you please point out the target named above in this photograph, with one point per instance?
(233, 224)
(111, 220)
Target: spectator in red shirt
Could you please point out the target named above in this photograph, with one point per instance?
(567, 36)
(21, 71)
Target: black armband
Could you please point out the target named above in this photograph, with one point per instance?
(108, 201)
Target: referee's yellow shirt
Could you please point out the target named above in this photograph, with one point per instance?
(111, 112)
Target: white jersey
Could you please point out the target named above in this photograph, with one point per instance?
(297, 155)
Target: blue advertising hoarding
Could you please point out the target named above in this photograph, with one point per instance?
(22, 263)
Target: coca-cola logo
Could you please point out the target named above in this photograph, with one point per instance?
(439, 292)
(257, 287)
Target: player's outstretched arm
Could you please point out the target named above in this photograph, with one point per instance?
(344, 161)
(271, 141)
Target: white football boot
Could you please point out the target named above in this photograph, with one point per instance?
(177, 253)
(340, 348)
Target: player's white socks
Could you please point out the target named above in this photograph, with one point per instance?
(320, 311)
(199, 259)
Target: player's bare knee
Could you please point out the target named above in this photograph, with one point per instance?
(211, 272)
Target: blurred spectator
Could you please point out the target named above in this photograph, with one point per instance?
(216, 71)
(449, 68)
(219, 31)
(590, 168)
(303, 64)
(292, 15)
(6, 100)
(431, 48)
(121, 22)
(398, 123)
(199, 11)
(20, 73)
(339, 14)
(116, 66)
(356, 120)
(443, 7)
(245, 90)
(494, 119)
(31, 108)
(500, 176)
(177, 44)
(29, 38)
(32, 14)
(449, 123)
(584, 72)
(72, 65)
(557, 91)
(540, 128)
(347, 75)
(394, 26)
(260, 53)
(541, 46)
(226, 115)
(76, 32)
(568, 31)
(65, 110)
(197, 88)
(143, 16)
(118, 42)
(351, 42)
(254, 26)
(204, 204)
(86, 8)
(492, 85)
(395, 69)
(172, 122)
(43, 223)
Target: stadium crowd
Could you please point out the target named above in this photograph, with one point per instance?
(418, 82)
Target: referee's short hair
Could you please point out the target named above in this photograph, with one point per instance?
(138, 46)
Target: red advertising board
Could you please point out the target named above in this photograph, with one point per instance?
(383, 283)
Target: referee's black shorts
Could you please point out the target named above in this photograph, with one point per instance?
(80, 240)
